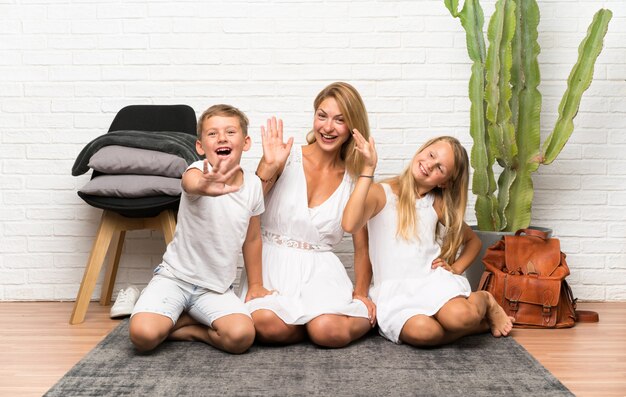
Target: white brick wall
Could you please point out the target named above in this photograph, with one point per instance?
(66, 68)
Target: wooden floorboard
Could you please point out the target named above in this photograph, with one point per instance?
(38, 346)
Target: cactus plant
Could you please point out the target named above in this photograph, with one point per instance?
(506, 105)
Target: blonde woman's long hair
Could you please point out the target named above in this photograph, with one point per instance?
(453, 199)
(355, 116)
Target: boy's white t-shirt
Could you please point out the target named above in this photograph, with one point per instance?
(210, 232)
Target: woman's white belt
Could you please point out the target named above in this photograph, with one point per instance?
(284, 241)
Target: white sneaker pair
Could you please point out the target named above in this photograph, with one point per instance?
(125, 302)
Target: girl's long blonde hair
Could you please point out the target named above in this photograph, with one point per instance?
(355, 116)
(453, 198)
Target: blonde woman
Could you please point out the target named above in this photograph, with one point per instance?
(420, 296)
(307, 189)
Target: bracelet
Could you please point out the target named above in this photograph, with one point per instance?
(366, 176)
(263, 180)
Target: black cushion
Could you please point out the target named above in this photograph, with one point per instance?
(145, 118)
(142, 207)
(180, 118)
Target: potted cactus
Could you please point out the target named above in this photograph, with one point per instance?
(506, 106)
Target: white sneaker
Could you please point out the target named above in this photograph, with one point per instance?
(125, 302)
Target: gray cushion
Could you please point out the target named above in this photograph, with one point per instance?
(131, 186)
(114, 159)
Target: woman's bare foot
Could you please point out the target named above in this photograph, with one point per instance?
(499, 322)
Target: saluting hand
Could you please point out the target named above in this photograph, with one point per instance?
(275, 150)
(366, 148)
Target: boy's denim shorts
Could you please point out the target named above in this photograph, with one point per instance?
(170, 296)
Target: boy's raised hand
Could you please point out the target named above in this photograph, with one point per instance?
(366, 148)
(213, 182)
(275, 151)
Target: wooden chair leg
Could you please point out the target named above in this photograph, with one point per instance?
(94, 264)
(110, 237)
(168, 225)
(115, 252)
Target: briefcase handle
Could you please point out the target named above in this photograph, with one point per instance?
(533, 233)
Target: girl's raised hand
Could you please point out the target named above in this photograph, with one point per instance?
(213, 182)
(366, 148)
(275, 151)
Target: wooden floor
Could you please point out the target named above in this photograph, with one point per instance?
(37, 346)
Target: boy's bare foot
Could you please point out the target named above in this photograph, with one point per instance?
(188, 329)
(190, 333)
(184, 320)
(499, 322)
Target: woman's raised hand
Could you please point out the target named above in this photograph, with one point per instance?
(366, 148)
(275, 151)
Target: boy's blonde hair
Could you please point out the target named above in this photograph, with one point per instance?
(453, 197)
(224, 111)
(355, 116)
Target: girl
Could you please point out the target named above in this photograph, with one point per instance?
(307, 189)
(420, 296)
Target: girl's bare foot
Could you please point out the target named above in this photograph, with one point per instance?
(499, 322)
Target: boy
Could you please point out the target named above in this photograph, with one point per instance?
(219, 214)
